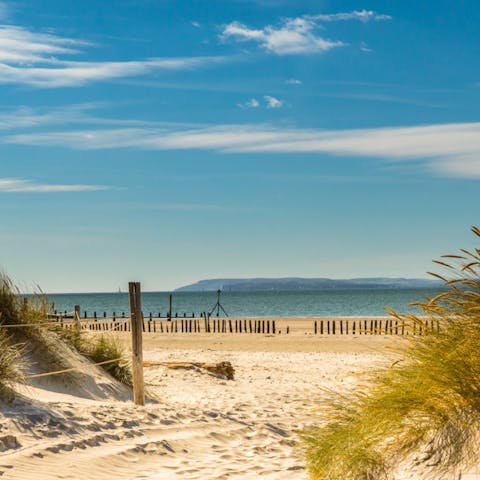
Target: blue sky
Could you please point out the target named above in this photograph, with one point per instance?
(168, 141)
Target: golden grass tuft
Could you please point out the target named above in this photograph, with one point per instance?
(102, 348)
(50, 343)
(426, 406)
(11, 367)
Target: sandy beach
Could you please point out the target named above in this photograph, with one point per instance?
(199, 426)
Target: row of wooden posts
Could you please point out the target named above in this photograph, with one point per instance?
(388, 326)
(114, 316)
(187, 325)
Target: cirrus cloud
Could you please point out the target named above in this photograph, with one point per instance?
(45, 60)
(16, 185)
(447, 149)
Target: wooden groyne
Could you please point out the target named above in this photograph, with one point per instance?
(374, 326)
(328, 326)
(177, 325)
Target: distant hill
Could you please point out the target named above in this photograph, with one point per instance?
(283, 284)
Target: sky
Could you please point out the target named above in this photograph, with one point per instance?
(171, 141)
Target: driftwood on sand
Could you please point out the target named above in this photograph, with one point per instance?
(223, 370)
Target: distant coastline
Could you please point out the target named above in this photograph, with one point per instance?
(296, 283)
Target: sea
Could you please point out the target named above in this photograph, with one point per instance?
(317, 303)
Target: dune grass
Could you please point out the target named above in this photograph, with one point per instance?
(26, 316)
(11, 367)
(424, 410)
(102, 348)
(49, 342)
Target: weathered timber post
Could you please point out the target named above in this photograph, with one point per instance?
(169, 314)
(76, 318)
(137, 346)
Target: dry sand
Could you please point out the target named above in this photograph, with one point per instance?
(202, 427)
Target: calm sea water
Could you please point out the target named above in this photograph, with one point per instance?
(255, 304)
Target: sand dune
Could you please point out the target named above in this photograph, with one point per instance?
(201, 426)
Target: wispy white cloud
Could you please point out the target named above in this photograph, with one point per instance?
(44, 60)
(365, 48)
(16, 185)
(296, 35)
(447, 149)
(20, 46)
(82, 113)
(252, 103)
(196, 24)
(270, 102)
(293, 81)
(362, 15)
(273, 102)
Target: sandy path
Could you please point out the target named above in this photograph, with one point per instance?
(202, 428)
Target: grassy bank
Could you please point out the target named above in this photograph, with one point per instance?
(423, 410)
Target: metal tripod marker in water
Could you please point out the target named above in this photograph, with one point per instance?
(218, 305)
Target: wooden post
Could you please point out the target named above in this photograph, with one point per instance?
(77, 318)
(137, 346)
(169, 314)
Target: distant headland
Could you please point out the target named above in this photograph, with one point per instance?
(293, 283)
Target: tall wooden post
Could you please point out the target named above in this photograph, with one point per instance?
(76, 318)
(169, 307)
(137, 346)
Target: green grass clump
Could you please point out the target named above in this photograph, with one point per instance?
(28, 317)
(423, 410)
(103, 348)
(11, 367)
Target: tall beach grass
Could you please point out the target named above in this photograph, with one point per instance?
(31, 332)
(421, 412)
